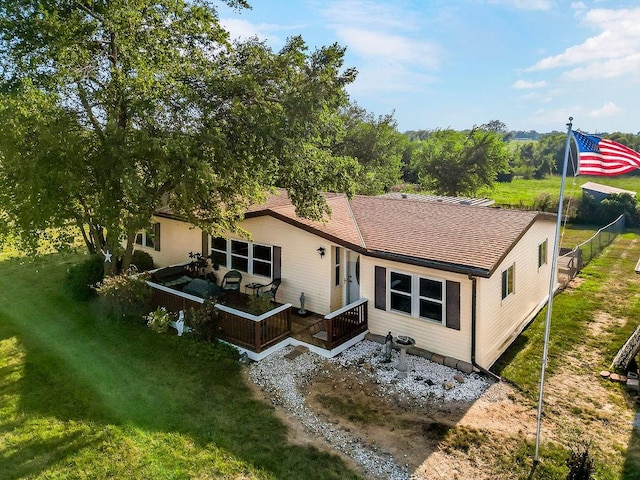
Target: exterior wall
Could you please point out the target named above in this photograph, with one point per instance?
(498, 321)
(428, 335)
(177, 239)
(302, 268)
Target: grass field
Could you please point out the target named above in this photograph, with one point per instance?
(525, 192)
(607, 287)
(82, 397)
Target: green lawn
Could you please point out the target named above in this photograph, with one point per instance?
(526, 192)
(83, 397)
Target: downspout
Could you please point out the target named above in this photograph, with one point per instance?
(474, 287)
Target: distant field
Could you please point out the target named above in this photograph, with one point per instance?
(527, 191)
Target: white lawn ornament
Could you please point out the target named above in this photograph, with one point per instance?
(179, 324)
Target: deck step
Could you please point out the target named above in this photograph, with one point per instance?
(321, 335)
(296, 352)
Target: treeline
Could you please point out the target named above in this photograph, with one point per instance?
(451, 162)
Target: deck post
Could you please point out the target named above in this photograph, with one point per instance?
(329, 329)
(258, 340)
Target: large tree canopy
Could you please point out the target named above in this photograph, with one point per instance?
(109, 108)
(456, 163)
(378, 147)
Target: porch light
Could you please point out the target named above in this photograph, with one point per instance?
(321, 251)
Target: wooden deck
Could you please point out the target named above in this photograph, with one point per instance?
(257, 333)
(304, 328)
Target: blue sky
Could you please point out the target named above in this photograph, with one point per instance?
(457, 63)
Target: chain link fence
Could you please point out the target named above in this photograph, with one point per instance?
(572, 261)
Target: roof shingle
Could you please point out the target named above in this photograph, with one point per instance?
(457, 237)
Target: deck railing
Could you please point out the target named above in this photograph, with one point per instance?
(173, 300)
(252, 331)
(346, 323)
(255, 332)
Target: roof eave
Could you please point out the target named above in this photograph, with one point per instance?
(421, 262)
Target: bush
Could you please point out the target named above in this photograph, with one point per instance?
(580, 463)
(83, 277)
(203, 321)
(125, 296)
(259, 305)
(142, 260)
(159, 320)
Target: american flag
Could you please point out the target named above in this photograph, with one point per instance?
(598, 156)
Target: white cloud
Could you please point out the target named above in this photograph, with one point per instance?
(526, 4)
(398, 48)
(240, 29)
(387, 39)
(525, 85)
(614, 68)
(609, 109)
(611, 53)
(369, 14)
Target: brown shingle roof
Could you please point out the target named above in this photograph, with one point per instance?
(452, 237)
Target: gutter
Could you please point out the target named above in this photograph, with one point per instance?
(474, 297)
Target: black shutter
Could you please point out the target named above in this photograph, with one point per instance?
(156, 236)
(276, 262)
(380, 288)
(453, 305)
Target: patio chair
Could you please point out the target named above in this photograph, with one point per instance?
(232, 280)
(271, 292)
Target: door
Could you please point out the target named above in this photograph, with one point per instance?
(353, 278)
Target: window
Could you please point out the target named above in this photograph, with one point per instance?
(252, 258)
(240, 255)
(417, 296)
(507, 281)
(400, 292)
(337, 266)
(430, 296)
(219, 251)
(261, 260)
(542, 253)
(145, 238)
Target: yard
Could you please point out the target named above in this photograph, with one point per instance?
(83, 397)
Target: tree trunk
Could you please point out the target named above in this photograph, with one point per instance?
(128, 251)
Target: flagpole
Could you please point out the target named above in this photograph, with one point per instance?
(552, 281)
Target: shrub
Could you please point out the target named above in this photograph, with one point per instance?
(159, 320)
(125, 296)
(203, 321)
(259, 304)
(82, 278)
(142, 260)
(580, 463)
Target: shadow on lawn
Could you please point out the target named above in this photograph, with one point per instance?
(81, 386)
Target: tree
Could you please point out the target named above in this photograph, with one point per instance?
(109, 109)
(458, 163)
(376, 144)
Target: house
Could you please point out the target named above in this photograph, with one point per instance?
(599, 192)
(462, 280)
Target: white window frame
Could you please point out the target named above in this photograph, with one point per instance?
(250, 257)
(510, 281)
(338, 267)
(543, 253)
(145, 238)
(415, 296)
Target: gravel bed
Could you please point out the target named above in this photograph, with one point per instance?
(285, 380)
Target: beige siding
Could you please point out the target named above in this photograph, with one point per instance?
(428, 335)
(177, 239)
(499, 321)
(303, 270)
